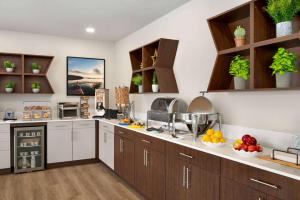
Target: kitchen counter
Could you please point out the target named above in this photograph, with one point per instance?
(223, 152)
(39, 121)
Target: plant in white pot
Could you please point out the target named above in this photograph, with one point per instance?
(35, 86)
(138, 81)
(9, 87)
(35, 68)
(240, 36)
(240, 69)
(9, 66)
(283, 12)
(284, 63)
(155, 86)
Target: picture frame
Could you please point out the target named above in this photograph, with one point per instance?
(84, 75)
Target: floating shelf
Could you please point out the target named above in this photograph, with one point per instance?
(142, 63)
(261, 45)
(23, 76)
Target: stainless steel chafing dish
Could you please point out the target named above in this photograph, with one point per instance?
(163, 109)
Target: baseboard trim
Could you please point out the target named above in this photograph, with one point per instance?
(5, 171)
(71, 163)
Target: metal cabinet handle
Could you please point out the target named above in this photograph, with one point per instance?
(264, 183)
(183, 177)
(185, 155)
(144, 157)
(187, 178)
(105, 137)
(146, 141)
(147, 153)
(121, 132)
(105, 126)
(121, 146)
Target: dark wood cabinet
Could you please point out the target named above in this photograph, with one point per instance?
(189, 176)
(149, 168)
(124, 155)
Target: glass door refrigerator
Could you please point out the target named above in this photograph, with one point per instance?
(29, 149)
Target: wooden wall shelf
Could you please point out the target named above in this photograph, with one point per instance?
(22, 75)
(142, 63)
(261, 45)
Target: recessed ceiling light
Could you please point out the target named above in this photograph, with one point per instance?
(90, 30)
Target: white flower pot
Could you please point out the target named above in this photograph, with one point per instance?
(9, 90)
(155, 87)
(283, 81)
(140, 88)
(35, 90)
(284, 28)
(9, 69)
(240, 83)
(36, 71)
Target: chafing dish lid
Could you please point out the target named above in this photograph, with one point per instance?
(162, 104)
(201, 105)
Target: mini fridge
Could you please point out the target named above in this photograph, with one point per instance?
(29, 151)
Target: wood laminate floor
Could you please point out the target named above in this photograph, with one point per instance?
(84, 182)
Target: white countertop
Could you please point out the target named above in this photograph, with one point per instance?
(39, 121)
(223, 152)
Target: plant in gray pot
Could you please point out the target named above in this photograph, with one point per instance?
(240, 69)
(35, 68)
(284, 63)
(9, 66)
(283, 12)
(35, 86)
(9, 87)
(155, 86)
(138, 81)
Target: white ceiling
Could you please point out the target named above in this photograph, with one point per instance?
(112, 19)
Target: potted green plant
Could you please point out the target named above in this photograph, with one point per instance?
(35, 68)
(9, 66)
(138, 81)
(35, 86)
(283, 12)
(284, 63)
(155, 86)
(9, 87)
(240, 36)
(240, 69)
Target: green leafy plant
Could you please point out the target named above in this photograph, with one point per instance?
(154, 79)
(239, 32)
(137, 80)
(9, 64)
(284, 61)
(10, 84)
(283, 10)
(240, 67)
(35, 85)
(35, 66)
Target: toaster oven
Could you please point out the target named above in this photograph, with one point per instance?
(68, 110)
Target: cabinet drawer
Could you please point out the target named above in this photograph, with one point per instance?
(4, 145)
(274, 184)
(203, 160)
(126, 133)
(84, 124)
(59, 125)
(106, 126)
(150, 142)
(235, 171)
(4, 128)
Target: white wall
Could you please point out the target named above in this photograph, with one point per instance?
(60, 47)
(193, 66)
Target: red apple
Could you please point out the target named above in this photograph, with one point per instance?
(245, 138)
(252, 148)
(244, 147)
(249, 140)
(259, 148)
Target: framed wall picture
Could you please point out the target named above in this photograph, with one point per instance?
(85, 75)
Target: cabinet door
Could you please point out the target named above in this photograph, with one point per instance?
(128, 160)
(141, 169)
(231, 190)
(157, 175)
(83, 143)
(59, 145)
(175, 178)
(201, 183)
(109, 145)
(118, 152)
(102, 145)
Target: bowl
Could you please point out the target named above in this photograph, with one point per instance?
(247, 154)
(213, 145)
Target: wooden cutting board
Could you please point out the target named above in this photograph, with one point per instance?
(281, 162)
